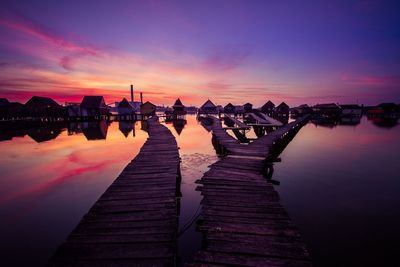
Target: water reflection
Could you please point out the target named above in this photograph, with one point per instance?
(126, 127)
(39, 132)
(50, 185)
(95, 130)
(340, 187)
(384, 122)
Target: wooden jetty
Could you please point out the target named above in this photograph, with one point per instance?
(243, 223)
(239, 125)
(227, 144)
(264, 120)
(135, 222)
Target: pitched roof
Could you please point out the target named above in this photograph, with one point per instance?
(4, 102)
(178, 103)
(47, 101)
(230, 105)
(124, 104)
(208, 104)
(283, 104)
(352, 106)
(268, 104)
(148, 103)
(92, 101)
(327, 105)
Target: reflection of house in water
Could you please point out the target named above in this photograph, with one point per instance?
(126, 127)
(39, 132)
(328, 122)
(179, 124)
(384, 122)
(350, 120)
(95, 130)
(44, 133)
(144, 126)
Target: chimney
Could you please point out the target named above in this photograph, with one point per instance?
(141, 97)
(131, 93)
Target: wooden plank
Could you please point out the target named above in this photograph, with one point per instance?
(135, 221)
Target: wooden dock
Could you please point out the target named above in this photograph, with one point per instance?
(264, 120)
(260, 147)
(243, 223)
(239, 125)
(135, 222)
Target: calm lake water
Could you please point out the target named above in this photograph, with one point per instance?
(339, 183)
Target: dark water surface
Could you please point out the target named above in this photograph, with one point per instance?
(339, 183)
(341, 186)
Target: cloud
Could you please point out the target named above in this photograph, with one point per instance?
(371, 80)
(226, 58)
(30, 27)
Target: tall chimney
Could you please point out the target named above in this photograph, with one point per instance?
(131, 93)
(141, 97)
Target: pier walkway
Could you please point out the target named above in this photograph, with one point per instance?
(135, 221)
(264, 120)
(243, 222)
(239, 125)
(258, 148)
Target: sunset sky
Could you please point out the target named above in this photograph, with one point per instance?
(228, 51)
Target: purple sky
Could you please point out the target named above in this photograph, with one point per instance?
(228, 51)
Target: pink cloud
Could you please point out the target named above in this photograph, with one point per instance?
(226, 58)
(27, 26)
(371, 80)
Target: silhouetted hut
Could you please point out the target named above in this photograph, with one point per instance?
(282, 110)
(351, 110)
(239, 109)
(268, 108)
(148, 109)
(301, 110)
(248, 107)
(179, 108)
(93, 106)
(208, 108)
(328, 109)
(39, 106)
(230, 108)
(124, 107)
(4, 102)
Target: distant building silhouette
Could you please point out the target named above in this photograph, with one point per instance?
(93, 106)
(148, 109)
(329, 109)
(268, 108)
(208, 108)
(229, 108)
(39, 106)
(124, 107)
(350, 110)
(282, 110)
(179, 108)
(248, 107)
